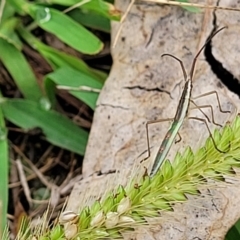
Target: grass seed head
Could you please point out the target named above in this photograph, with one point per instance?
(144, 197)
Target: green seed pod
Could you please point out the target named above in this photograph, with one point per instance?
(148, 210)
(138, 218)
(162, 204)
(177, 196)
(114, 234)
(177, 159)
(188, 153)
(145, 183)
(210, 173)
(167, 170)
(100, 233)
(145, 188)
(209, 146)
(108, 204)
(56, 233)
(84, 218)
(42, 238)
(96, 207)
(133, 193)
(120, 193)
(227, 135)
(217, 136)
(201, 153)
(236, 124)
(232, 161)
(156, 181)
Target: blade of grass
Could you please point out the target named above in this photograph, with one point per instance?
(57, 58)
(103, 8)
(8, 12)
(20, 70)
(72, 78)
(18, 6)
(58, 129)
(99, 7)
(190, 9)
(7, 32)
(234, 232)
(65, 29)
(3, 173)
(91, 19)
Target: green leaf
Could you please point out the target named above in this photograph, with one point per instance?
(8, 12)
(71, 78)
(18, 6)
(58, 129)
(99, 7)
(91, 19)
(103, 8)
(3, 174)
(188, 8)
(20, 70)
(7, 32)
(65, 29)
(59, 59)
(234, 232)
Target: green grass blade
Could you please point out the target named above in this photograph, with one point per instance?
(8, 12)
(99, 7)
(69, 77)
(65, 29)
(18, 6)
(234, 232)
(58, 129)
(91, 20)
(59, 59)
(190, 9)
(20, 70)
(7, 32)
(102, 8)
(3, 174)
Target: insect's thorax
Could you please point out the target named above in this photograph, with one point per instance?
(183, 104)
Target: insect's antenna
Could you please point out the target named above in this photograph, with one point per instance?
(195, 58)
(181, 63)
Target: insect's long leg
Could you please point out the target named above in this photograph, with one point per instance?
(199, 108)
(205, 122)
(148, 141)
(180, 138)
(218, 101)
(181, 63)
(195, 58)
(211, 110)
(151, 122)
